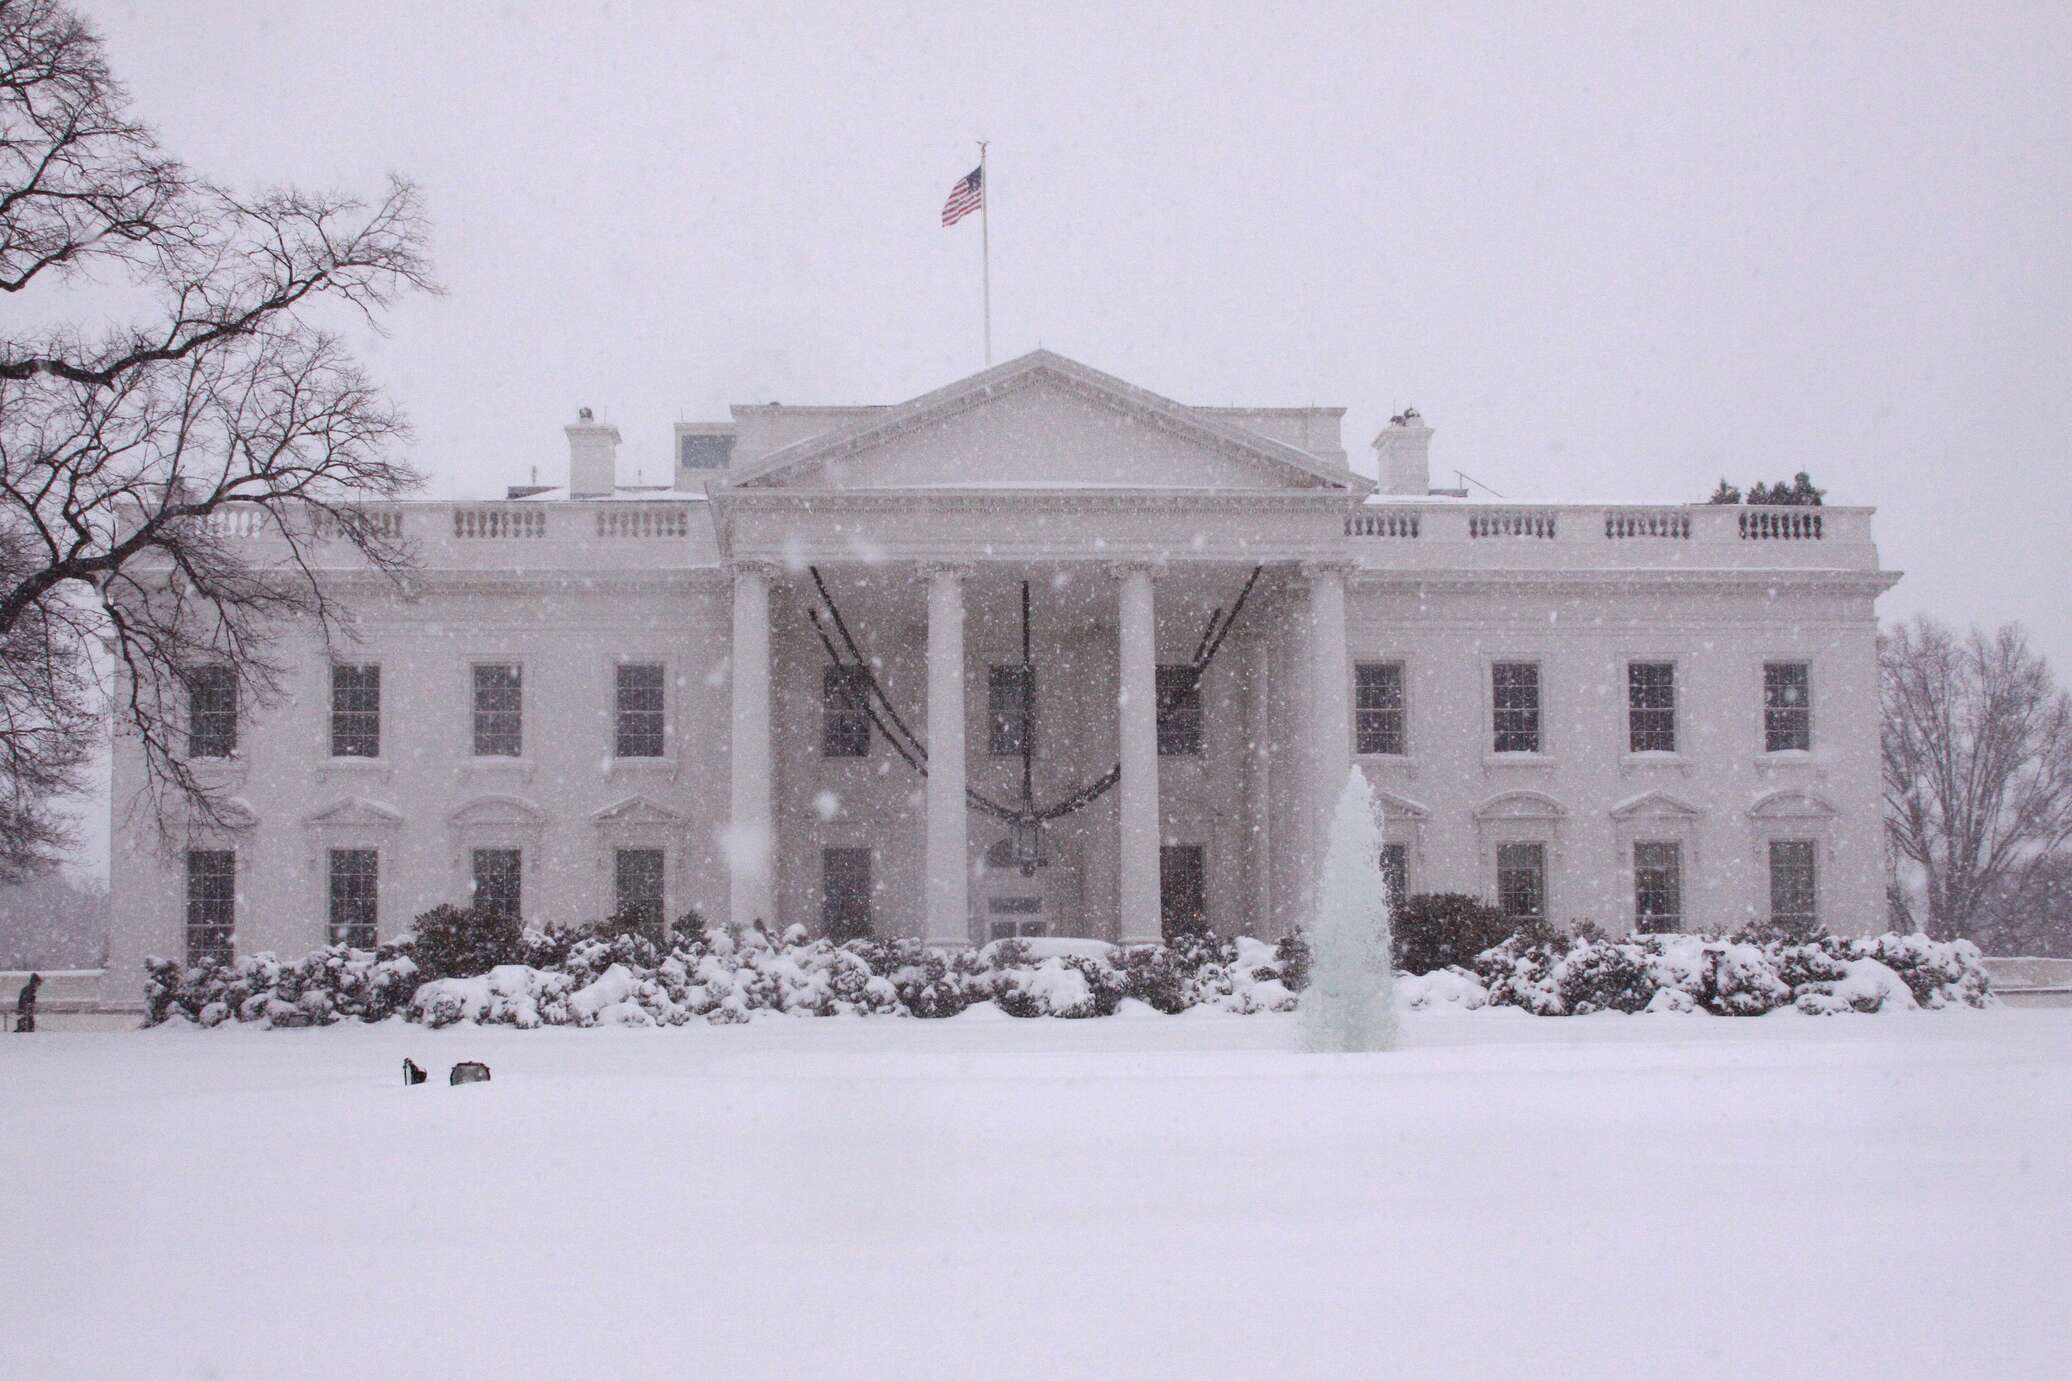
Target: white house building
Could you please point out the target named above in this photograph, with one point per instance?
(600, 698)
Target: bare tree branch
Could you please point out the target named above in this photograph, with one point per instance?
(1977, 760)
(172, 489)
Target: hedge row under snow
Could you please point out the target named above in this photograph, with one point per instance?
(734, 976)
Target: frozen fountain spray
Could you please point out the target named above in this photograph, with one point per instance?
(1350, 1003)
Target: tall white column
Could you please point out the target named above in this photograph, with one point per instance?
(1332, 706)
(752, 831)
(949, 838)
(1258, 653)
(1137, 700)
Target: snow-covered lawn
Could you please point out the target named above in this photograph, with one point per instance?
(1180, 1196)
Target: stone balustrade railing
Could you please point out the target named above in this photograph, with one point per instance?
(666, 534)
(1437, 535)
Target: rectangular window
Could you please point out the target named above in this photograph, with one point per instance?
(499, 881)
(637, 890)
(499, 711)
(1378, 708)
(1183, 889)
(1515, 697)
(1787, 707)
(639, 697)
(211, 903)
(1395, 873)
(211, 712)
(845, 893)
(1010, 694)
(1651, 707)
(355, 711)
(354, 911)
(1179, 712)
(1521, 881)
(1794, 899)
(1657, 886)
(845, 722)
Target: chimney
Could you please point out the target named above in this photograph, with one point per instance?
(1404, 453)
(593, 456)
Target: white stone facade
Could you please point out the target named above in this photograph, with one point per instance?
(1131, 518)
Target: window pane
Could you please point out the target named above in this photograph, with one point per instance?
(499, 712)
(1658, 886)
(640, 699)
(1793, 894)
(845, 722)
(499, 884)
(211, 903)
(1378, 707)
(354, 910)
(845, 893)
(1521, 881)
(1787, 707)
(1515, 694)
(355, 711)
(1179, 712)
(211, 712)
(1651, 706)
(1008, 689)
(637, 892)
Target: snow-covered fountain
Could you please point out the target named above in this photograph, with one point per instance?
(1350, 1003)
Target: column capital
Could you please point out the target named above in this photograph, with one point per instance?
(1120, 569)
(958, 569)
(754, 566)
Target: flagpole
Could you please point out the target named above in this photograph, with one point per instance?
(985, 247)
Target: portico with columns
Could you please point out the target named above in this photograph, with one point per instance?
(923, 540)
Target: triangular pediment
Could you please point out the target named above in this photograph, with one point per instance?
(637, 810)
(1042, 422)
(1655, 805)
(355, 812)
(1402, 806)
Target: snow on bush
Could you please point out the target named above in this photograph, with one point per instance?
(608, 978)
(1553, 974)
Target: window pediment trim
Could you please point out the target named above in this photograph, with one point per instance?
(636, 810)
(355, 812)
(498, 810)
(1393, 804)
(1656, 805)
(1521, 805)
(1790, 804)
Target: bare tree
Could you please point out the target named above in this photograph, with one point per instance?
(137, 460)
(1977, 744)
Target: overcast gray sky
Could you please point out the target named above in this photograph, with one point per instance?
(1609, 251)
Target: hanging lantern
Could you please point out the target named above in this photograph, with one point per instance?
(1025, 844)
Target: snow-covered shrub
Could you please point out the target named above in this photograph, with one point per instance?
(1600, 976)
(1938, 973)
(1753, 973)
(331, 984)
(461, 942)
(1436, 930)
(1291, 953)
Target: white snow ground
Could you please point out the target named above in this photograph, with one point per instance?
(1845, 1196)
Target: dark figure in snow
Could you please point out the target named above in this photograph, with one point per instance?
(25, 1004)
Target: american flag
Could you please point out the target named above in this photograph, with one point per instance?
(966, 197)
